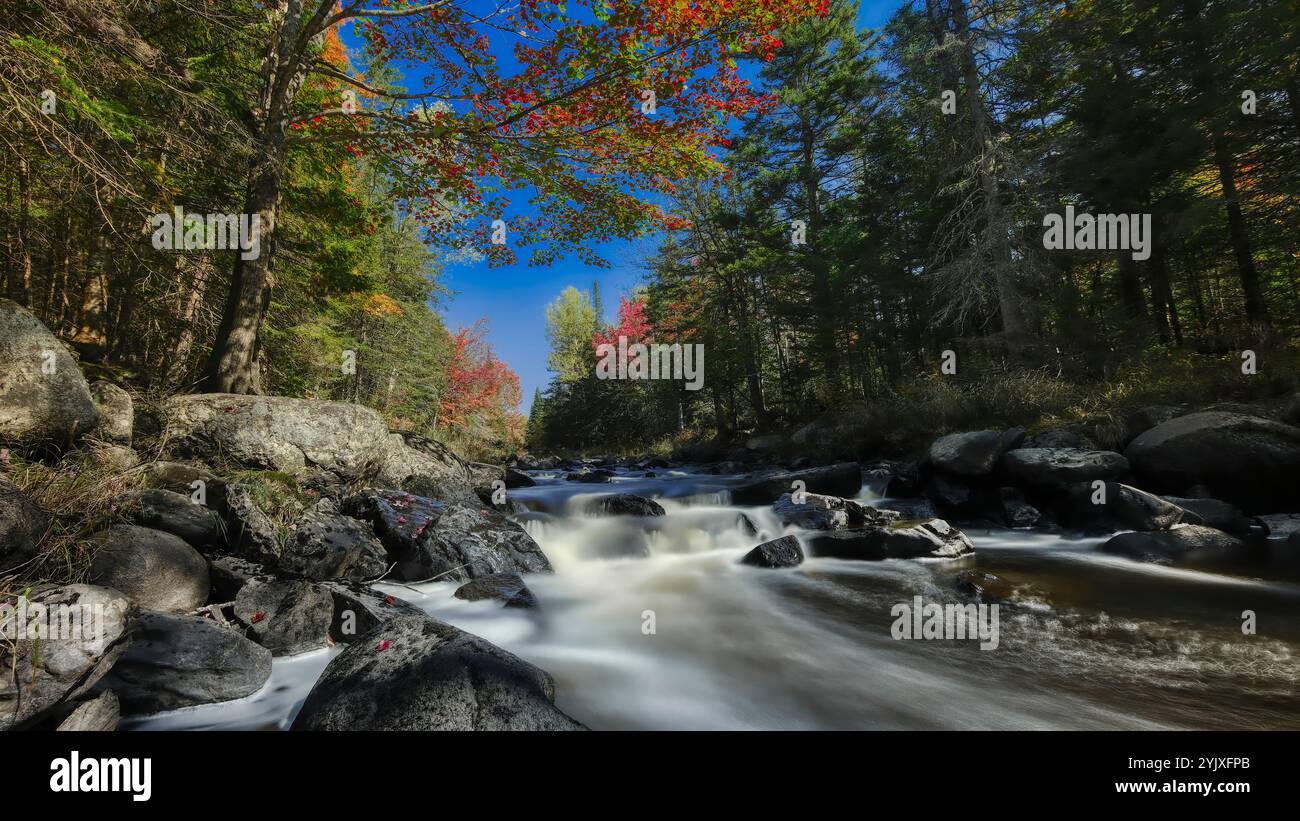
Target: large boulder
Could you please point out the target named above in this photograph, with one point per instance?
(249, 530)
(967, 454)
(116, 411)
(180, 661)
(1214, 513)
(1247, 460)
(417, 673)
(327, 545)
(41, 673)
(1057, 468)
(285, 616)
(453, 542)
(934, 538)
(1144, 419)
(1114, 506)
(426, 468)
(22, 523)
(843, 479)
(515, 478)
(303, 437)
(157, 570)
(44, 399)
(508, 588)
(172, 513)
(1186, 544)
(783, 552)
(229, 574)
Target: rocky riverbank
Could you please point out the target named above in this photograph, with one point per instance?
(243, 529)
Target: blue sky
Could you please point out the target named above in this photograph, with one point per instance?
(514, 298)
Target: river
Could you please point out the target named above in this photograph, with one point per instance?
(1087, 640)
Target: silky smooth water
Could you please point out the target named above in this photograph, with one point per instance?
(1090, 641)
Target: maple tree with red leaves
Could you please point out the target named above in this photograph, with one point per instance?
(565, 122)
(633, 324)
(482, 391)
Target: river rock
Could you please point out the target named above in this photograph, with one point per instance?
(327, 545)
(98, 715)
(593, 477)
(818, 511)
(417, 673)
(783, 552)
(843, 479)
(44, 399)
(180, 477)
(284, 616)
(116, 413)
(627, 504)
(1121, 507)
(452, 541)
(359, 608)
(1185, 544)
(172, 513)
(180, 661)
(46, 673)
(1060, 467)
(968, 454)
(229, 574)
(1214, 513)
(509, 588)
(22, 523)
(1144, 419)
(515, 478)
(1247, 460)
(1016, 511)
(934, 538)
(157, 570)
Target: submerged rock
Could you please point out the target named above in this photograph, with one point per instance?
(509, 588)
(782, 552)
(417, 673)
(627, 504)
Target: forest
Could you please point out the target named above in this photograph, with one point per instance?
(888, 206)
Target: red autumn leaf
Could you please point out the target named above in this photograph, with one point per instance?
(384, 645)
(258, 616)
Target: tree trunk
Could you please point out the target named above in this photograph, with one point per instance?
(1256, 309)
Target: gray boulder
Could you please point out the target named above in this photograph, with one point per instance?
(358, 609)
(284, 616)
(172, 513)
(509, 588)
(1214, 513)
(180, 661)
(157, 570)
(1059, 468)
(116, 412)
(327, 545)
(1247, 460)
(229, 574)
(843, 479)
(22, 523)
(1186, 544)
(248, 530)
(44, 399)
(515, 478)
(98, 715)
(783, 552)
(454, 542)
(934, 538)
(1120, 507)
(41, 674)
(417, 673)
(967, 454)
(426, 468)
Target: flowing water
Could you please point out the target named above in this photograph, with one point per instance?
(1087, 641)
